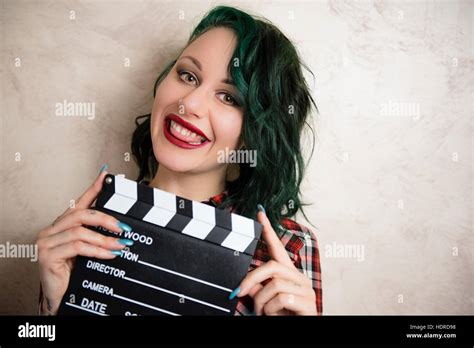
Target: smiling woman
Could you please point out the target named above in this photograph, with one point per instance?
(238, 86)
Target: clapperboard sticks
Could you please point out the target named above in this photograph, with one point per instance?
(186, 259)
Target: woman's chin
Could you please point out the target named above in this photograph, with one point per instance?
(176, 162)
(176, 158)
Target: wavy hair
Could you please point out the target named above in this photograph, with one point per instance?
(267, 71)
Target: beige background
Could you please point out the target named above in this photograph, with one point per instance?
(397, 183)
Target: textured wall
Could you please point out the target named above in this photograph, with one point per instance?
(391, 176)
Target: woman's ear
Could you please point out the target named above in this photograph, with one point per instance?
(233, 172)
(233, 169)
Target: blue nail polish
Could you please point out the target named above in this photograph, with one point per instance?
(127, 242)
(261, 208)
(124, 226)
(253, 313)
(117, 252)
(234, 293)
(104, 167)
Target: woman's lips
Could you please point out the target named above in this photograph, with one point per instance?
(188, 126)
(179, 139)
(185, 134)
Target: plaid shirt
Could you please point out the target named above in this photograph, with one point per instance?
(302, 247)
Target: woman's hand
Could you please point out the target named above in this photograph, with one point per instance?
(60, 243)
(288, 291)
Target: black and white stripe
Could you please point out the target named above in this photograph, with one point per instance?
(179, 214)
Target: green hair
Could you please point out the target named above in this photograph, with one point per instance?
(267, 71)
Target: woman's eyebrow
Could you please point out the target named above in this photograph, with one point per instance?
(199, 66)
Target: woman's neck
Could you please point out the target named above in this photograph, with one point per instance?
(197, 187)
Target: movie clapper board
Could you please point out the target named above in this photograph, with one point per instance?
(186, 259)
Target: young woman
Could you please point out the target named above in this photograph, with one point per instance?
(236, 86)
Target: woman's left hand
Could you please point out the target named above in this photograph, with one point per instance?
(289, 292)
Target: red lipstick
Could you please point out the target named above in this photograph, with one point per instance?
(181, 134)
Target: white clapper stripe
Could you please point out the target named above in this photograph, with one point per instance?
(204, 213)
(197, 229)
(163, 210)
(203, 221)
(125, 187)
(243, 225)
(159, 216)
(124, 197)
(119, 203)
(236, 241)
(165, 200)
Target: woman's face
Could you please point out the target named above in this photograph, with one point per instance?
(195, 112)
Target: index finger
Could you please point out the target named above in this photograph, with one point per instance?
(275, 247)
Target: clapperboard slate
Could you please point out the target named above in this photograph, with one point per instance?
(186, 259)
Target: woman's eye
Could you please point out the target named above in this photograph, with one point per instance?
(187, 77)
(228, 99)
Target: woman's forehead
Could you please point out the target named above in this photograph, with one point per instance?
(215, 46)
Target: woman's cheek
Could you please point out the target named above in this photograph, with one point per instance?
(228, 132)
(163, 98)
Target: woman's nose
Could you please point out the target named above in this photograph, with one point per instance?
(195, 102)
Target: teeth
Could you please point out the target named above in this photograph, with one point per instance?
(187, 133)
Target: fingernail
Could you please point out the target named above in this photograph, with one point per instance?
(127, 242)
(261, 208)
(124, 227)
(234, 293)
(117, 252)
(253, 313)
(104, 167)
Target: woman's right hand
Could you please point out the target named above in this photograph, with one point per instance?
(60, 243)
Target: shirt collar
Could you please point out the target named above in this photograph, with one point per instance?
(217, 199)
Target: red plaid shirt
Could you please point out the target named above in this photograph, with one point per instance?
(302, 247)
